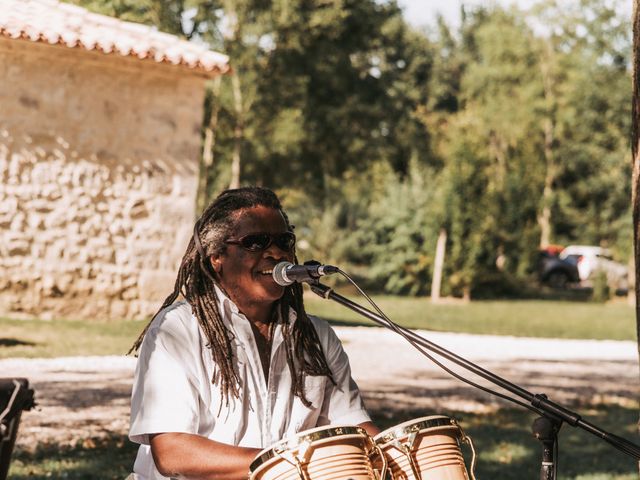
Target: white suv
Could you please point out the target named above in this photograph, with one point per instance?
(590, 260)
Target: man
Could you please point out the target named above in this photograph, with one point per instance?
(238, 365)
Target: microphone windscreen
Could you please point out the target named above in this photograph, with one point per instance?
(279, 275)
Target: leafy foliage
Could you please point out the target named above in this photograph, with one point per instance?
(534, 145)
(510, 132)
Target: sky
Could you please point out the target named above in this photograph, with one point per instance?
(423, 12)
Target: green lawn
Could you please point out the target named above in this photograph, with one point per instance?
(56, 338)
(537, 318)
(505, 446)
(525, 318)
(507, 450)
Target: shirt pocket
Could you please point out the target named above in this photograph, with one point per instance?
(314, 390)
(305, 417)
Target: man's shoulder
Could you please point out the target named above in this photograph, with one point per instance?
(318, 322)
(177, 317)
(323, 327)
(175, 311)
(173, 329)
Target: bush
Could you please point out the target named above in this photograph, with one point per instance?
(378, 226)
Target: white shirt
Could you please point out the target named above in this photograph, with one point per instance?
(172, 389)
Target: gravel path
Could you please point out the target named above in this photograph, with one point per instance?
(395, 376)
(88, 397)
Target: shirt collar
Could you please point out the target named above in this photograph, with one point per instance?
(225, 304)
(230, 311)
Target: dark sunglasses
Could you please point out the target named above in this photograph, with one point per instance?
(258, 242)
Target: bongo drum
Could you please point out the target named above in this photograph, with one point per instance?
(426, 448)
(324, 453)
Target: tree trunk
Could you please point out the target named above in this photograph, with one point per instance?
(436, 282)
(498, 150)
(635, 150)
(548, 127)
(238, 132)
(209, 144)
(234, 13)
(466, 294)
(544, 219)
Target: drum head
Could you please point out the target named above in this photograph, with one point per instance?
(314, 435)
(431, 423)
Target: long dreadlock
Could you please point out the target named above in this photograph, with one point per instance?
(195, 281)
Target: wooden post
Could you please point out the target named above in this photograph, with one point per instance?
(438, 265)
(635, 151)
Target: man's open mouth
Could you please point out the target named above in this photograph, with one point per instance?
(267, 272)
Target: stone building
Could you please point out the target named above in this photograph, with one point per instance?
(100, 125)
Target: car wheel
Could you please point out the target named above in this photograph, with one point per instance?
(558, 279)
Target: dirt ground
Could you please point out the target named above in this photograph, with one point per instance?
(83, 398)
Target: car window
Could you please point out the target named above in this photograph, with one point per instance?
(572, 258)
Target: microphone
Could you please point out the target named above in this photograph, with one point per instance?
(286, 273)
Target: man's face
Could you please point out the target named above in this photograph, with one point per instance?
(241, 273)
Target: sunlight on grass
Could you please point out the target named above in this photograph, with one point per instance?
(606, 476)
(530, 318)
(524, 318)
(106, 459)
(46, 468)
(53, 338)
(503, 441)
(507, 452)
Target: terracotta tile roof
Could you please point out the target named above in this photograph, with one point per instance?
(56, 22)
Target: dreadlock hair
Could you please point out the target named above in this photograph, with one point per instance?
(195, 281)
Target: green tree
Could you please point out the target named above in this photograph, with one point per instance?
(541, 136)
(394, 241)
(337, 93)
(590, 40)
(186, 18)
(510, 132)
(482, 130)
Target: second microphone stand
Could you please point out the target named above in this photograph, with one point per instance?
(545, 428)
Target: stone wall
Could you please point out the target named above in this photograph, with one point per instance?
(98, 175)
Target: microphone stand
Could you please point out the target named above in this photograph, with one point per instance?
(545, 428)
